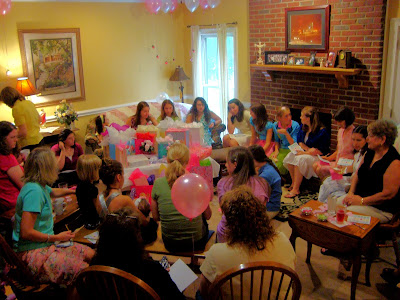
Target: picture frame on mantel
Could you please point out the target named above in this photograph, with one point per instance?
(307, 28)
(52, 60)
(276, 57)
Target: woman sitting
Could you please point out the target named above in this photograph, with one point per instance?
(238, 118)
(268, 171)
(112, 175)
(337, 188)
(179, 234)
(285, 134)
(249, 238)
(120, 246)
(33, 233)
(168, 110)
(344, 119)
(67, 152)
(199, 112)
(374, 188)
(240, 166)
(10, 171)
(26, 117)
(314, 140)
(142, 116)
(261, 128)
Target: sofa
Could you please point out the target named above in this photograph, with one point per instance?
(121, 114)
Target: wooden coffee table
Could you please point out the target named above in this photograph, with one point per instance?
(349, 239)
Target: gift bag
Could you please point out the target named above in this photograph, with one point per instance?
(163, 149)
(145, 143)
(180, 134)
(145, 189)
(117, 152)
(148, 128)
(196, 135)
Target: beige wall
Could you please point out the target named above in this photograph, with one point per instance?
(119, 63)
(227, 12)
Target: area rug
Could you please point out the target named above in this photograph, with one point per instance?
(289, 205)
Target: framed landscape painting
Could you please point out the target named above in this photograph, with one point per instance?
(52, 60)
(307, 28)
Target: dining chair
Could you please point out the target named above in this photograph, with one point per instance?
(392, 228)
(257, 280)
(103, 282)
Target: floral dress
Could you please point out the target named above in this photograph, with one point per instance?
(207, 133)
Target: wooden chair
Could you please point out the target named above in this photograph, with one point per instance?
(103, 282)
(392, 228)
(258, 272)
(22, 281)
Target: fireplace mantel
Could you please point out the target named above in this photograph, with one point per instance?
(340, 74)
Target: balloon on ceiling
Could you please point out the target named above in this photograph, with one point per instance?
(5, 7)
(169, 6)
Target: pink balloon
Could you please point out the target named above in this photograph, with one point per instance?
(204, 4)
(173, 6)
(153, 6)
(190, 195)
(213, 3)
(5, 6)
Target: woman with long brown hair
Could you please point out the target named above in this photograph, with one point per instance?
(142, 116)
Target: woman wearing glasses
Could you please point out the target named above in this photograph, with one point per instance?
(120, 246)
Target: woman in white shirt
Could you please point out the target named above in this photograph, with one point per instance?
(238, 118)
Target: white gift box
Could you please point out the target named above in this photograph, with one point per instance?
(138, 160)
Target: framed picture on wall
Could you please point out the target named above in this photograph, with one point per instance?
(52, 60)
(276, 57)
(307, 28)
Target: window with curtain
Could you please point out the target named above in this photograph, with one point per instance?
(215, 66)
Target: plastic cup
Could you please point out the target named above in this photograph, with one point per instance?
(63, 185)
(58, 206)
(340, 213)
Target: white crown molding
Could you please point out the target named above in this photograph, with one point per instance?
(97, 111)
(93, 1)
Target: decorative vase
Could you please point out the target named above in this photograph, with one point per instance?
(67, 125)
(72, 126)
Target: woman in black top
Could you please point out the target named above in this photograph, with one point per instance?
(374, 189)
(120, 246)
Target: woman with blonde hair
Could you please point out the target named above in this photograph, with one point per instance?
(33, 233)
(178, 232)
(26, 117)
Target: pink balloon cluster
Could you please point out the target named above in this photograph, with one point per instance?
(190, 195)
(154, 6)
(5, 7)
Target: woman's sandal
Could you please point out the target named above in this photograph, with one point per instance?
(328, 252)
(389, 276)
(291, 195)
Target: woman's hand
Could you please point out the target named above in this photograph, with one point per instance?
(352, 199)
(282, 131)
(274, 155)
(64, 236)
(61, 146)
(212, 124)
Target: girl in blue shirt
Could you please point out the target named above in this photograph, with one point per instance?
(268, 171)
(261, 128)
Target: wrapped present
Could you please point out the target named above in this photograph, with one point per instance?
(179, 134)
(196, 132)
(148, 128)
(117, 152)
(138, 160)
(145, 143)
(163, 145)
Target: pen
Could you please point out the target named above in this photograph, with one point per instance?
(358, 226)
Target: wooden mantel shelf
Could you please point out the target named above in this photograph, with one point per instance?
(340, 74)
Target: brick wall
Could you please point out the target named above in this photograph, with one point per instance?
(354, 25)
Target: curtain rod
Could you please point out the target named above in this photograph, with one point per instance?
(233, 23)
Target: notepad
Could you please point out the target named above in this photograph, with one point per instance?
(182, 275)
(294, 148)
(359, 219)
(345, 162)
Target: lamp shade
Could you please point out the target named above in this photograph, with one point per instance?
(25, 87)
(179, 75)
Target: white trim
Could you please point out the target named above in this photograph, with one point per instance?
(97, 111)
(93, 1)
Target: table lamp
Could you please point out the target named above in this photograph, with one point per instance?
(25, 87)
(179, 75)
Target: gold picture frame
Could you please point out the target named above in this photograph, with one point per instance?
(52, 60)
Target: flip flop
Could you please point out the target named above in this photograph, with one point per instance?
(291, 195)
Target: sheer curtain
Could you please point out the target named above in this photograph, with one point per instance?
(223, 71)
(196, 62)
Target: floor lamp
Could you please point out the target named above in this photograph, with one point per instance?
(179, 75)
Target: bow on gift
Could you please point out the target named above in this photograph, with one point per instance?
(145, 135)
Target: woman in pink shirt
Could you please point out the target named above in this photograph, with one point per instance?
(10, 170)
(240, 166)
(344, 119)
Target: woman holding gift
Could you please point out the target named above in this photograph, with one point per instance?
(142, 116)
(178, 233)
(67, 152)
(238, 118)
(168, 110)
(202, 114)
(26, 117)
